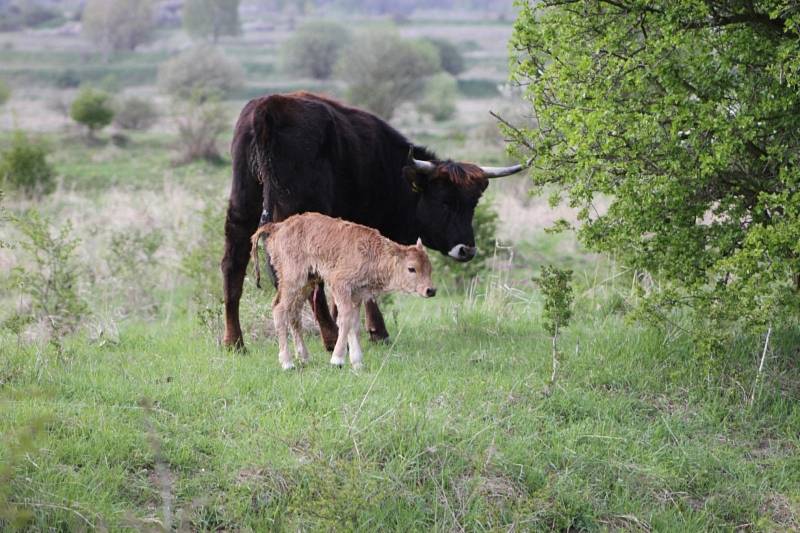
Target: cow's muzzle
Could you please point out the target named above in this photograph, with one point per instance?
(462, 252)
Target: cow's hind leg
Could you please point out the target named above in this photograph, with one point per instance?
(375, 324)
(241, 221)
(327, 327)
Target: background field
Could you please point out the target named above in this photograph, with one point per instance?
(141, 420)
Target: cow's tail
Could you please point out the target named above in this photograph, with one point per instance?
(263, 231)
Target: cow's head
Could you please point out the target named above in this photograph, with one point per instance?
(448, 193)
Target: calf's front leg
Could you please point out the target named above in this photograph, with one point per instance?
(345, 323)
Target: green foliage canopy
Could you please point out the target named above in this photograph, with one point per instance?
(682, 116)
(115, 25)
(24, 166)
(383, 70)
(200, 73)
(314, 49)
(92, 108)
(212, 19)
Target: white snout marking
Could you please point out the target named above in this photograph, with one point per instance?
(455, 251)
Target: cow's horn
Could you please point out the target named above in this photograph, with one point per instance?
(499, 172)
(426, 167)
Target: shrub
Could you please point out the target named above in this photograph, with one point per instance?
(49, 280)
(451, 59)
(92, 109)
(135, 114)
(458, 275)
(556, 287)
(314, 49)
(200, 123)
(131, 258)
(211, 18)
(115, 25)
(440, 95)
(24, 166)
(68, 79)
(382, 70)
(201, 73)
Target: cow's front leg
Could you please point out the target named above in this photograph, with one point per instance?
(327, 327)
(375, 324)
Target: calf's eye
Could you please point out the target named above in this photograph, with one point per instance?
(412, 269)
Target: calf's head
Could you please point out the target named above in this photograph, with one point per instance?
(448, 194)
(412, 271)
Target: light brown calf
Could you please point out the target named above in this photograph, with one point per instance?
(354, 261)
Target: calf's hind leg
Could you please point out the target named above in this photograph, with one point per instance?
(280, 314)
(352, 339)
(295, 315)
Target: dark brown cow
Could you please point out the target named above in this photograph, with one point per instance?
(301, 152)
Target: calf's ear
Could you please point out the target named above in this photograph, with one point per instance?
(419, 244)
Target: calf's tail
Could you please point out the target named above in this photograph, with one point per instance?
(263, 231)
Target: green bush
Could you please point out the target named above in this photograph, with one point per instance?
(201, 72)
(24, 166)
(48, 278)
(383, 70)
(459, 275)
(439, 99)
(135, 114)
(92, 109)
(451, 59)
(200, 123)
(314, 49)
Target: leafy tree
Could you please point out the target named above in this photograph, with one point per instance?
(204, 19)
(451, 58)
(314, 49)
(683, 115)
(92, 109)
(115, 25)
(383, 70)
(201, 73)
(24, 166)
(439, 100)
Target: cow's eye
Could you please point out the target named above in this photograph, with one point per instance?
(412, 269)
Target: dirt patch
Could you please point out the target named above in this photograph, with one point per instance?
(781, 510)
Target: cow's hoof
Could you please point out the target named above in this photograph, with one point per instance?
(287, 366)
(379, 337)
(235, 345)
(337, 361)
(357, 366)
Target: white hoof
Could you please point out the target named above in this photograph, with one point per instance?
(357, 366)
(287, 366)
(338, 361)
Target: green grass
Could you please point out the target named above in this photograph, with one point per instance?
(446, 428)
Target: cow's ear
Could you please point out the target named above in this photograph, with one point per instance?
(415, 179)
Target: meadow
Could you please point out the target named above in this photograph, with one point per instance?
(141, 420)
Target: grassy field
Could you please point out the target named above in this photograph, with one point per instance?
(141, 421)
(448, 428)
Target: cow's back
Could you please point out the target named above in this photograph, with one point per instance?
(316, 154)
